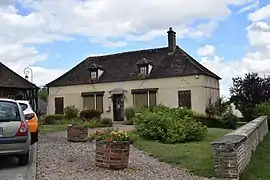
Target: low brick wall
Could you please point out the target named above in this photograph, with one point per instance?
(112, 154)
(232, 153)
(77, 133)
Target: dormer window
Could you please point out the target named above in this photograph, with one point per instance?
(93, 75)
(96, 72)
(143, 70)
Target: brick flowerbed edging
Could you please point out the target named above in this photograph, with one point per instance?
(77, 133)
(112, 154)
(233, 152)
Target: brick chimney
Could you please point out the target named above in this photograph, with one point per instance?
(171, 39)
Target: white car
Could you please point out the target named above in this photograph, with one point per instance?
(32, 119)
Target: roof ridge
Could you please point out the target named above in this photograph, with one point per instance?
(125, 52)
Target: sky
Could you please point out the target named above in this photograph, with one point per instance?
(229, 37)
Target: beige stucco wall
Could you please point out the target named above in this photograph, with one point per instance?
(202, 88)
(211, 89)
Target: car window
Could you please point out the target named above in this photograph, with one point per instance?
(9, 111)
(23, 106)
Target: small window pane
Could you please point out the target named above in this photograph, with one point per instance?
(143, 70)
(93, 75)
(152, 99)
(140, 100)
(89, 102)
(99, 103)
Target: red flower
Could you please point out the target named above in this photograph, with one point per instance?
(109, 139)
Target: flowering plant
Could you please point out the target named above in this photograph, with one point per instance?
(112, 135)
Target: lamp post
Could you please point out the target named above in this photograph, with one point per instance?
(28, 71)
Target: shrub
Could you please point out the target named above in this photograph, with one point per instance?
(129, 113)
(94, 124)
(263, 109)
(169, 125)
(229, 120)
(129, 122)
(75, 121)
(217, 108)
(71, 112)
(107, 122)
(90, 114)
(53, 118)
(210, 122)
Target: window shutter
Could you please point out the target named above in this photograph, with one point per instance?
(152, 99)
(99, 103)
(140, 100)
(89, 102)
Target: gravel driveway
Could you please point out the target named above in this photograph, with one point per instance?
(62, 160)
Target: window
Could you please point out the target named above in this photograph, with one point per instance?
(93, 75)
(143, 70)
(23, 106)
(144, 99)
(184, 99)
(9, 111)
(94, 101)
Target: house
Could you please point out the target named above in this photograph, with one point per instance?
(14, 86)
(110, 83)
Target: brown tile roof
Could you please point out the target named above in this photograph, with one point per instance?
(122, 67)
(9, 78)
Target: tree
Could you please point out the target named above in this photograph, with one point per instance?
(43, 94)
(249, 91)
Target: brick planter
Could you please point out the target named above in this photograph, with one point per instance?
(112, 154)
(77, 133)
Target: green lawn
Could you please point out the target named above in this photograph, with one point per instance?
(52, 128)
(259, 166)
(197, 157)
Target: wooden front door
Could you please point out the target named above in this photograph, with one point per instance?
(59, 105)
(118, 107)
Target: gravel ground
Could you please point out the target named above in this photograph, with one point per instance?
(62, 160)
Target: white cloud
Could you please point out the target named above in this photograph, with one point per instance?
(249, 7)
(104, 20)
(207, 50)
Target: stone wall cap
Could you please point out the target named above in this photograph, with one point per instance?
(229, 140)
(240, 134)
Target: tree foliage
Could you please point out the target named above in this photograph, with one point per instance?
(43, 94)
(249, 91)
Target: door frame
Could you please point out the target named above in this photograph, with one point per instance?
(62, 102)
(114, 110)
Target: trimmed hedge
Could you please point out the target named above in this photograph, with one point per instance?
(52, 118)
(210, 122)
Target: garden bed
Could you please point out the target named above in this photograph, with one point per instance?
(197, 157)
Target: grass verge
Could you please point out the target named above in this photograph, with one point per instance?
(259, 166)
(197, 157)
(52, 128)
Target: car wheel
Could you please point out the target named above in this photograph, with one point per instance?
(23, 159)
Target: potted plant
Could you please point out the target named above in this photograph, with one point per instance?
(77, 131)
(112, 149)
